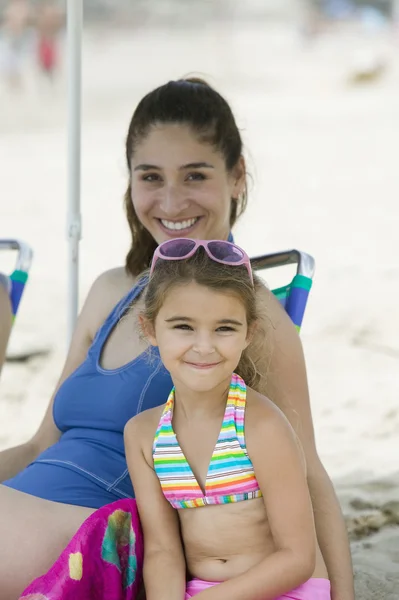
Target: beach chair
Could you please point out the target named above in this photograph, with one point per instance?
(11, 289)
(294, 295)
(19, 276)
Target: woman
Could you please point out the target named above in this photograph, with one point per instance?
(186, 179)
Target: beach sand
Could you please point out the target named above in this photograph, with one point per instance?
(323, 158)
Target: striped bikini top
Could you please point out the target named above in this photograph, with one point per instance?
(230, 476)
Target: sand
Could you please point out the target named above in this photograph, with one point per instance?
(323, 155)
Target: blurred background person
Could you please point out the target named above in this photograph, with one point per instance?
(49, 21)
(16, 21)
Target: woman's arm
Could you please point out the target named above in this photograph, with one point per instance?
(283, 366)
(164, 563)
(103, 295)
(279, 468)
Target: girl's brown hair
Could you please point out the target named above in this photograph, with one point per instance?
(215, 276)
(189, 102)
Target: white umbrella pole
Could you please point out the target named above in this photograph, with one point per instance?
(74, 74)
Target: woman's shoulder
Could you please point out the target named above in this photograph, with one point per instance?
(105, 293)
(269, 307)
(117, 282)
(276, 331)
(276, 348)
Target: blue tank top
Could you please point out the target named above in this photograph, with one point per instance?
(87, 466)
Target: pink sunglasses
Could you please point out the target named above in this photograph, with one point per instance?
(220, 251)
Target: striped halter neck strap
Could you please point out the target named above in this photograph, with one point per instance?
(230, 476)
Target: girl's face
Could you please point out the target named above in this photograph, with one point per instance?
(200, 334)
(180, 185)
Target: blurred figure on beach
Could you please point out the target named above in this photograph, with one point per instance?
(369, 15)
(16, 22)
(49, 22)
(369, 23)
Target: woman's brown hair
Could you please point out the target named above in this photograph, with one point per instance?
(189, 102)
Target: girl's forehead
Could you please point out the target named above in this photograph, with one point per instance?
(201, 301)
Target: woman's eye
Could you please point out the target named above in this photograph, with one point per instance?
(196, 177)
(225, 329)
(151, 177)
(183, 327)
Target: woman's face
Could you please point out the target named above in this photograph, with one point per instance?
(181, 187)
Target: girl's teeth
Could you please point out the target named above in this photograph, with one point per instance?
(176, 226)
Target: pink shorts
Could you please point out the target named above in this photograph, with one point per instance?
(313, 589)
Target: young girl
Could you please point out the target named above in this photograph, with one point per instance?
(219, 476)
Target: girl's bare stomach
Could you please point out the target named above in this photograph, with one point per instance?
(224, 541)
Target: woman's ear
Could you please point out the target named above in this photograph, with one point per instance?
(148, 330)
(239, 175)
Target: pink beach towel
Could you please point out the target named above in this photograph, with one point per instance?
(103, 561)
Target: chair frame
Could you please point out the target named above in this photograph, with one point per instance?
(293, 296)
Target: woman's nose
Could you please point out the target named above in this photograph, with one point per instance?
(172, 202)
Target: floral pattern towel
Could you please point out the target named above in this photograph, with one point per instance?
(103, 561)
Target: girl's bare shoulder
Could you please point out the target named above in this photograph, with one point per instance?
(141, 429)
(266, 425)
(262, 413)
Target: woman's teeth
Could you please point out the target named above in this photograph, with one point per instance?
(177, 225)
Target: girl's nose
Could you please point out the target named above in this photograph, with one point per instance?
(203, 345)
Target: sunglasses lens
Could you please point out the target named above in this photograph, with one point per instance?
(225, 252)
(176, 248)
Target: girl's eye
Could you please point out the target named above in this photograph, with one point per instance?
(196, 177)
(183, 327)
(151, 177)
(225, 329)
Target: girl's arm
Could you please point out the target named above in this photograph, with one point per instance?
(285, 382)
(164, 563)
(279, 468)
